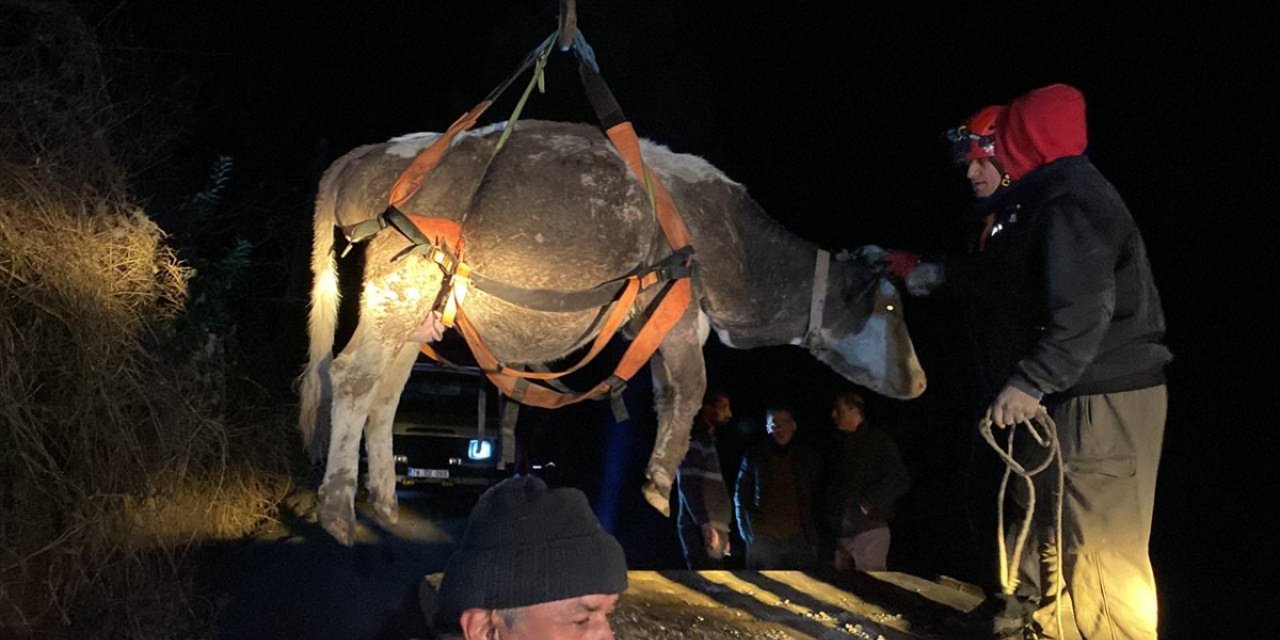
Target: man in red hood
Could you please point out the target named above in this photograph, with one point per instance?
(1069, 270)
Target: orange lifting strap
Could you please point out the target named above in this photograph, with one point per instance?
(667, 309)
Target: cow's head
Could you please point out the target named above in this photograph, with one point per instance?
(865, 337)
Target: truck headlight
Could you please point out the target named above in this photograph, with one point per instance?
(480, 450)
(400, 459)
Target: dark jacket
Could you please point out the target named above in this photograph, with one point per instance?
(1064, 289)
(774, 496)
(862, 468)
(703, 496)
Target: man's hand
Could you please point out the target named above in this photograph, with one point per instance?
(714, 542)
(843, 562)
(710, 537)
(431, 330)
(1012, 406)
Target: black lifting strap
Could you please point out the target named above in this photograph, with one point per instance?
(548, 299)
(361, 231)
(391, 217)
(598, 93)
(554, 383)
(670, 268)
(616, 403)
(510, 413)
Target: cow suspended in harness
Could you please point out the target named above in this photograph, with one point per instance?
(536, 252)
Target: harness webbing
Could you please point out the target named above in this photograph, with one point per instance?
(514, 383)
(415, 175)
(674, 272)
(672, 267)
(625, 141)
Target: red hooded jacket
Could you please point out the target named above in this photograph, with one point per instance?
(1039, 127)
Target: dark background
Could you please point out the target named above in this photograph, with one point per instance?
(832, 117)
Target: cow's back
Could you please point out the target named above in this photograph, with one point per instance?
(558, 209)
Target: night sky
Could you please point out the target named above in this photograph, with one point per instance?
(832, 116)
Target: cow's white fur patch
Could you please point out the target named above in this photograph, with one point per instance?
(864, 349)
(686, 167)
(704, 328)
(867, 349)
(410, 145)
(493, 127)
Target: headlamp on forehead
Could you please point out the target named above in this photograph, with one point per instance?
(967, 145)
(976, 138)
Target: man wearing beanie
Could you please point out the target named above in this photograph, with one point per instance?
(533, 563)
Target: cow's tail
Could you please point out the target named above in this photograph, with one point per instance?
(315, 386)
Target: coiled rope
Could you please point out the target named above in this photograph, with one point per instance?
(1044, 431)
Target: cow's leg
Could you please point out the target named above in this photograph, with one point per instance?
(679, 380)
(356, 374)
(381, 479)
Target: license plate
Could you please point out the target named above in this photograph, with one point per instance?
(428, 473)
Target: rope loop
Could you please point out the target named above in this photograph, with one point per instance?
(1044, 432)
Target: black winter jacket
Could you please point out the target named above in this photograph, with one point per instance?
(863, 468)
(1064, 293)
(758, 483)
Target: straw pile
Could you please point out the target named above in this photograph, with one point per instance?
(114, 459)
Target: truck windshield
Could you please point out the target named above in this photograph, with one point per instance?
(453, 401)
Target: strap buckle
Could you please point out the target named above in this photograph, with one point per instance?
(361, 231)
(616, 385)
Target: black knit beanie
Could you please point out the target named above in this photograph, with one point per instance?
(527, 544)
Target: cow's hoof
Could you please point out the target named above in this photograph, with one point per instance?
(337, 515)
(658, 498)
(387, 514)
(342, 529)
